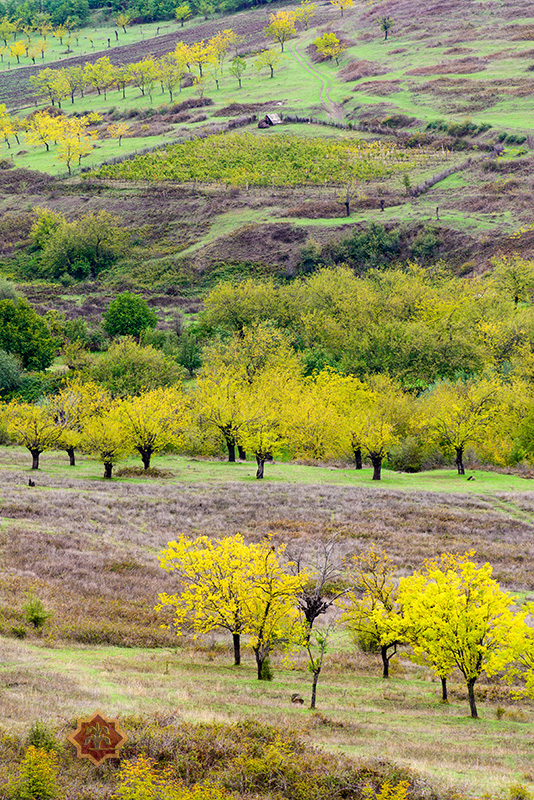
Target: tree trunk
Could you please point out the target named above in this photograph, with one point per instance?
(346, 203)
(242, 454)
(444, 695)
(314, 688)
(377, 467)
(259, 663)
(237, 649)
(146, 455)
(460, 461)
(272, 71)
(472, 701)
(261, 464)
(358, 458)
(72, 456)
(231, 451)
(108, 469)
(35, 458)
(385, 660)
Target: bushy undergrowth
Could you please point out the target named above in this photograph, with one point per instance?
(183, 761)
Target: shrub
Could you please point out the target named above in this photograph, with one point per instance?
(35, 613)
(129, 368)
(10, 372)
(38, 777)
(42, 737)
(128, 315)
(8, 290)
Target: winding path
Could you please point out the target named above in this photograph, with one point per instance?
(332, 108)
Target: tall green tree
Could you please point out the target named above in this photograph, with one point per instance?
(25, 334)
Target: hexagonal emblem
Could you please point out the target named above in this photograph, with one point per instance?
(97, 738)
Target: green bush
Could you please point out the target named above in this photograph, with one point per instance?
(35, 613)
(42, 737)
(128, 315)
(38, 777)
(25, 334)
(128, 368)
(10, 372)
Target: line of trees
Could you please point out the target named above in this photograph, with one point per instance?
(252, 396)
(450, 615)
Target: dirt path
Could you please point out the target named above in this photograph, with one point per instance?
(333, 109)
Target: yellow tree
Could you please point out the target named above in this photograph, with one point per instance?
(281, 27)
(100, 75)
(220, 403)
(459, 413)
(182, 12)
(266, 401)
(329, 46)
(7, 28)
(214, 577)
(270, 604)
(220, 45)
(42, 46)
(305, 12)
(467, 620)
(182, 56)
(269, 59)
(312, 420)
(143, 75)
(155, 420)
(200, 54)
(103, 438)
(117, 130)
(371, 608)
(515, 276)
(171, 71)
(59, 33)
(43, 129)
(72, 407)
(60, 87)
(17, 49)
(8, 125)
(123, 19)
(74, 141)
(32, 427)
(380, 421)
(342, 4)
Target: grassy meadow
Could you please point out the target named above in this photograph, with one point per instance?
(88, 548)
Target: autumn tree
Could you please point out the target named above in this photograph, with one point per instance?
(463, 618)
(32, 427)
(329, 45)
(459, 413)
(123, 19)
(281, 27)
(75, 141)
(342, 4)
(371, 606)
(268, 59)
(71, 408)
(17, 49)
(103, 438)
(515, 276)
(182, 12)
(305, 12)
(170, 72)
(154, 421)
(213, 576)
(100, 75)
(143, 75)
(42, 129)
(269, 605)
(117, 130)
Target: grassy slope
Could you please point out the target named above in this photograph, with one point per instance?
(479, 210)
(89, 549)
